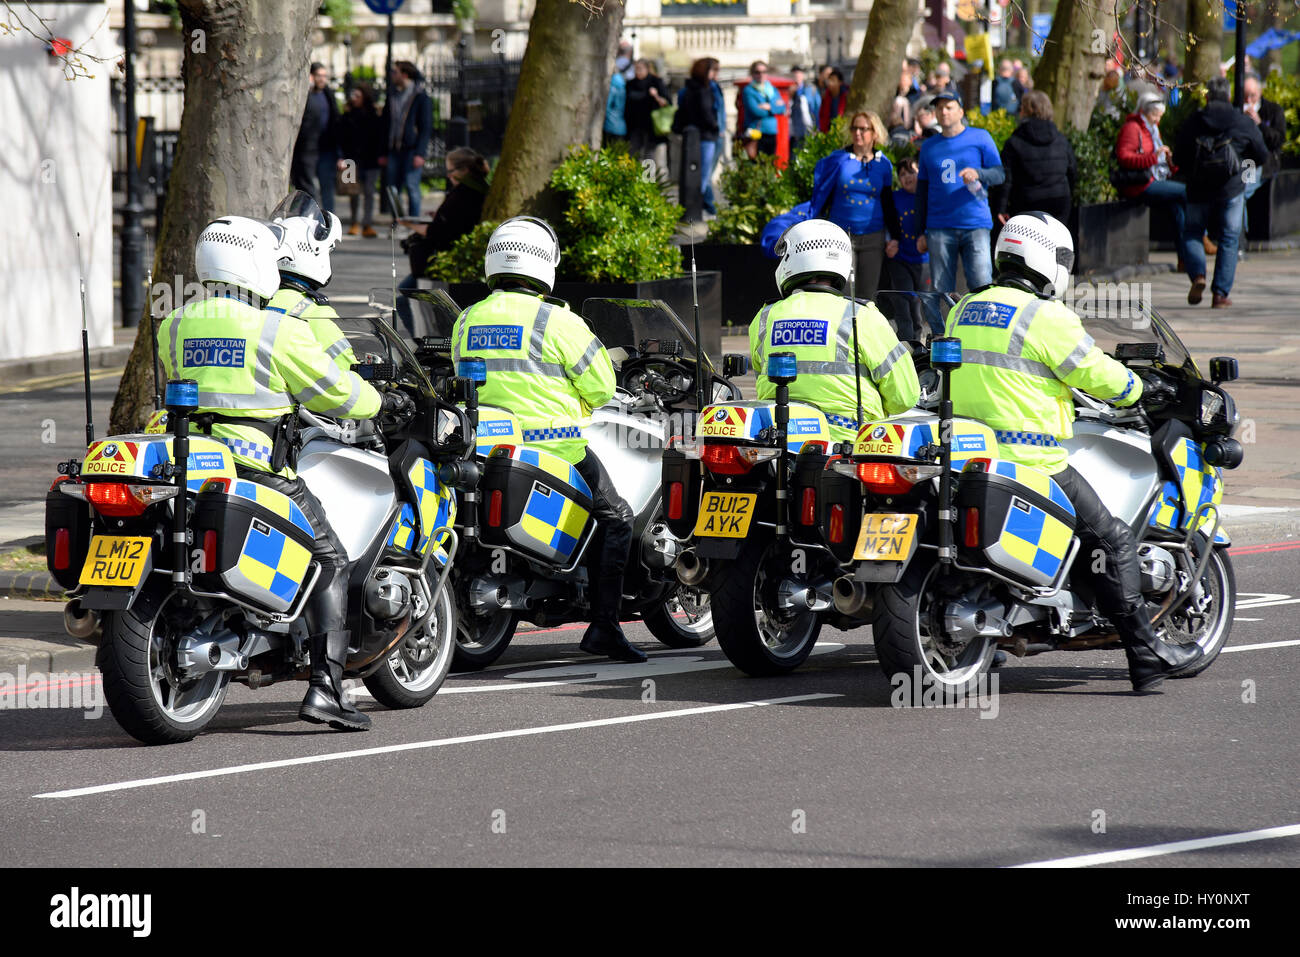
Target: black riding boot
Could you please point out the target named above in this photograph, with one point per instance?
(325, 702)
(604, 636)
(1150, 658)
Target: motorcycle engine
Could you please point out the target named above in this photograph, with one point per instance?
(388, 594)
(1158, 569)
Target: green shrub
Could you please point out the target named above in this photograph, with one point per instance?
(1000, 124)
(463, 262)
(755, 192)
(617, 226)
(1285, 92)
(815, 147)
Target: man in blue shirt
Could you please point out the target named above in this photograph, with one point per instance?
(954, 173)
(805, 104)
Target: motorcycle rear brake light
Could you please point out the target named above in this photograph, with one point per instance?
(735, 459)
(114, 498)
(882, 478)
(61, 548)
(808, 507)
(210, 550)
(972, 538)
(836, 532)
(675, 500)
(494, 508)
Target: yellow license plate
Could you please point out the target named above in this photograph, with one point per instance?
(115, 560)
(886, 537)
(725, 515)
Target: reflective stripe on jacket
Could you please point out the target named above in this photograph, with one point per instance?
(818, 328)
(543, 364)
(1021, 355)
(256, 364)
(320, 318)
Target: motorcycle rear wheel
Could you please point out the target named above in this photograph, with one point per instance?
(149, 700)
(413, 673)
(482, 639)
(683, 620)
(753, 636)
(905, 631)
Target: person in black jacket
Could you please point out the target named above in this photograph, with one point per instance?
(1215, 194)
(645, 94)
(695, 108)
(1271, 120)
(361, 137)
(459, 213)
(1039, 164)
(315, 151)
(408, 123)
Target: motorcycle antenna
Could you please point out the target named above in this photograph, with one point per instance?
(853, 299)
(85, 345)
(699, 342)
(153, 332)
(392, 248)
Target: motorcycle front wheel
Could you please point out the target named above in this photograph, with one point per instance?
(757, 638)
(148, 698)
(413, 673)
(1206, 617)
(906, 626)
(683, 620)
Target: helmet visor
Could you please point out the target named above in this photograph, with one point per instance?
(299, 205)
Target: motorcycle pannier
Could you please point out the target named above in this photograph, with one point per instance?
(1013, 519)
(534, 502)
(263, 543)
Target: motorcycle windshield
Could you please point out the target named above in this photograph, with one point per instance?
(374, 341)
(1112, 323)
(299, 205)
(630, 323)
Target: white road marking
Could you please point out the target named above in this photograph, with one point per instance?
(1247, 598)
(1266, 644)
(423, 745)
(1174, 847)
(600, 671)
(1252, 606)
(1248, 619)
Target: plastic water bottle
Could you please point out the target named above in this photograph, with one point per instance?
(977, 190)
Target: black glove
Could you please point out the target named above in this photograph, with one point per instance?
(395, 408)
(1156, 391)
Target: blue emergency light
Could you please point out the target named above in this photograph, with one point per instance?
(473, 369)
(945, 353)
(782, 367)
(182, 395)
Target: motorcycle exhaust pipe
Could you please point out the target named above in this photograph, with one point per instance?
(792, 596)
(485, 595)
(691, 569)
(851, 597)
(82, 623)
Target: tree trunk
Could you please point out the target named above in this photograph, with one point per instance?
(245, 71)
(1204, 40)
(560, 101)
(875, 79)
(1074, 59)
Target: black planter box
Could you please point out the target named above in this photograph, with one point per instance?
(676, 292)
(1109, 234)
(1274, 210)
(751, 277)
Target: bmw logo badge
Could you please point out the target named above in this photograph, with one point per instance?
(878, 433)
(720, 415)
(110, 450)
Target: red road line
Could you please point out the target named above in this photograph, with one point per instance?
(51, 687)
(1260, 549)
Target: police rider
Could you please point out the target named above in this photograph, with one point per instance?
(545, 366)
(814, 319)
(1022, 351)
(310, 235)
(251, 367)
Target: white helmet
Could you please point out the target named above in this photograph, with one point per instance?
(241, 252)
(813, 247)
(523, 248)
(310, 234)
(1039, 248)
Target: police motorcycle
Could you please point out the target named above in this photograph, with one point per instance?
(998, 573)
(191, 598)
(766, 519)
(524, 517)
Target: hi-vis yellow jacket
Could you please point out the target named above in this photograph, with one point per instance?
(319, 316)
(818, 328)
(543, 364)
(255, 364)
(1020, 357)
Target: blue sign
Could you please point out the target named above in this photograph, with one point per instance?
(995, 314)
(384, 7)
(495, 337)
(799, 332)
(228, 353)
(1042, 26)
(496, 427)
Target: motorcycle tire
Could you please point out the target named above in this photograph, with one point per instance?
(1222, 578)
(482, 639)
(413, 673)
(675, 632)
(737, 610)
(903, 644)
(135, 659)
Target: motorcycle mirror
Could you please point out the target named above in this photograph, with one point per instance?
(1223, 369)
(735, 365)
